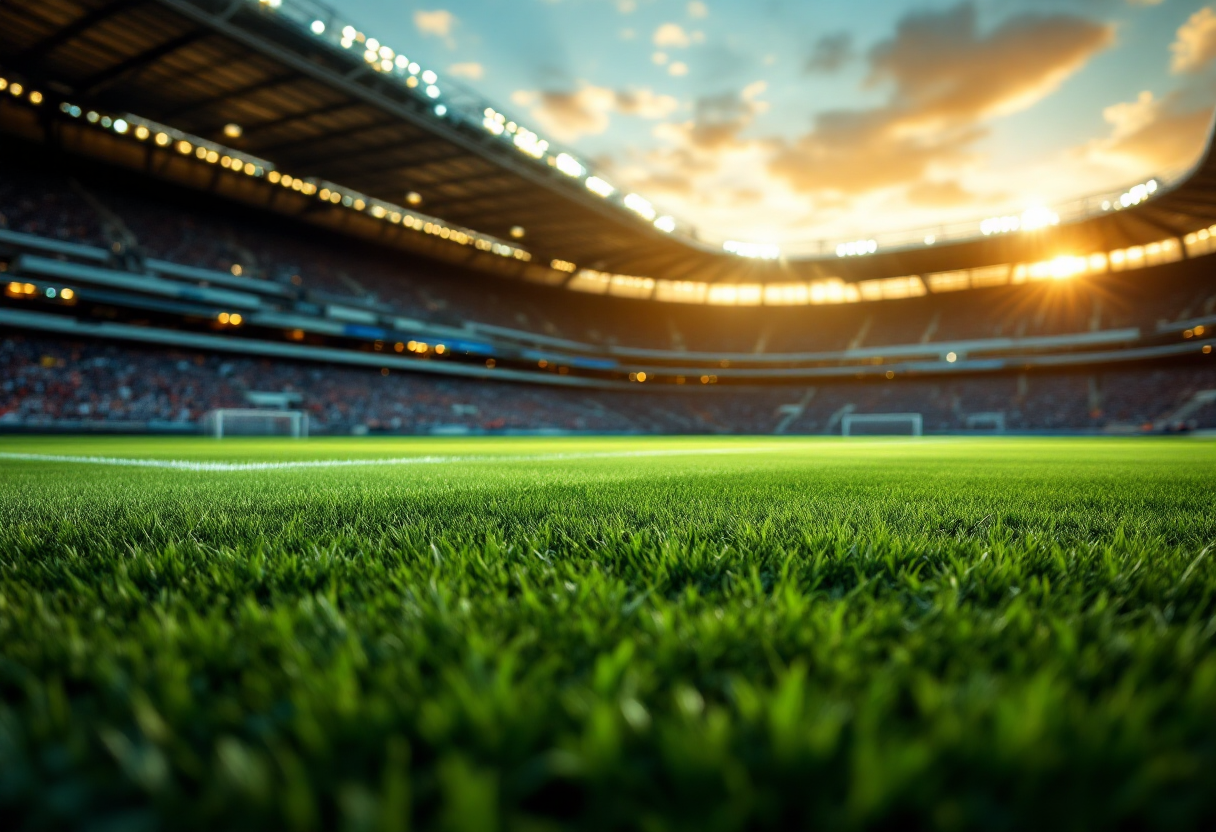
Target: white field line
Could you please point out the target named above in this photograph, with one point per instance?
(186, 465)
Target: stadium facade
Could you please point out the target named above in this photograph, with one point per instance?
(226, 197)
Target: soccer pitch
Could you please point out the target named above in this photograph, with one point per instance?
(668, 634)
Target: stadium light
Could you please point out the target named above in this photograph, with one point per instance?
(530, 144)
(857, 248)
(568, 165)
(640, 206)
(599, 187)
(1038, 217)
(752, 251)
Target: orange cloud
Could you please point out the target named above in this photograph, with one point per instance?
(1155, 135)
(471, 70)
(587, 111)
(947, 80)
(440, 23)
(1195, 45)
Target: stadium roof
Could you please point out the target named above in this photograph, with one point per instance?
(320, 109)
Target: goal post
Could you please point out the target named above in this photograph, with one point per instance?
(247, 422)
(882, 424)
(993, 422)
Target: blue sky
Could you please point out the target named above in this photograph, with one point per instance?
(790, 121)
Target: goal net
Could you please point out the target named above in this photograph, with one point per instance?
(882, 424)
(221, 423)
(994, 421)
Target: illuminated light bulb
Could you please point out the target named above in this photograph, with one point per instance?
(121, 127)
(318, 27)
(432, 91)
(568, 165)
(429, 77)
(599, 187)
(665, 224)
(640, 205)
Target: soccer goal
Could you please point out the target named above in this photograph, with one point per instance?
(882, 424)
(993, 422)
(233, 422)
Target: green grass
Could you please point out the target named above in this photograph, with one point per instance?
(996, 634)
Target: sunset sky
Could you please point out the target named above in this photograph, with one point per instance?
(790, 121)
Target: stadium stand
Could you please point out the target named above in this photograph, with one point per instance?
(86, 225)
(50, 383)
(94, 207)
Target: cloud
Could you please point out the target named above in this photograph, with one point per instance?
(671, 35)
(439, 23)
(568, 115)
(719, 119)
(754, 90)
(946, 80)
(946, 194)
(830, 53)
(471, 70)
(1151, 134)
(678, 69)
(698, 10)
(1195, 45)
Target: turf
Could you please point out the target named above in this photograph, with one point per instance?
(997, 634)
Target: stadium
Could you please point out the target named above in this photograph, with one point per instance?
(375, 459)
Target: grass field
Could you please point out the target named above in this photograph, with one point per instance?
(666, 634)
